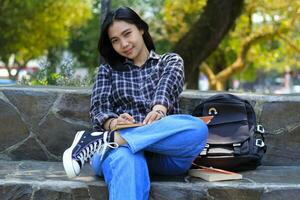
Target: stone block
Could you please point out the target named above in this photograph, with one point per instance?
(48, 194)
(29, 150)
(289, 193)
(33, 105)
(176, 191)
(12, 127)
(280, 116)
(74, 106)
(282, 122)
(97, 192)
(238, 193)
(15, 191)
(57, 134)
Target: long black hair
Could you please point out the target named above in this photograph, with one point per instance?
(105, 47)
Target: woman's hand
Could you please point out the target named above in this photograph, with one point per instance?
(124, 118)
(158, 112)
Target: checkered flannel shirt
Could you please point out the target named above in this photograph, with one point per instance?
(135, 91)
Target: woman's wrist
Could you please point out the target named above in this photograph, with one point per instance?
(160, 109)
(110, 125)
(162, 113)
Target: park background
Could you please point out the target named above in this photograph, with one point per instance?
(251, 47)
(233, 45)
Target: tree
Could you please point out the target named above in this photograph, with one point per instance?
(30, 28)
(261, 41)
(84, 40)
(205, 35)
(264, 36)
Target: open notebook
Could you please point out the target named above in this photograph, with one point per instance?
(206, 119)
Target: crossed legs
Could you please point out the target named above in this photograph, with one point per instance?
(170, 146)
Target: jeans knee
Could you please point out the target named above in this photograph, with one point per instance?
(201, 128)
(198, 133)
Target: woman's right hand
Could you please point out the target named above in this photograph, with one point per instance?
(124, 118)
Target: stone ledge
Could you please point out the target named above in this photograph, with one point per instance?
(40, 122)
(47, 180)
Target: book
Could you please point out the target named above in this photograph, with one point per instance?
(122, 126)
(214, 174)
(206, 119)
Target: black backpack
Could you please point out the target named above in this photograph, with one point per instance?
(235, 141)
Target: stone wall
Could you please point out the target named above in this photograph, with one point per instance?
(39, 123)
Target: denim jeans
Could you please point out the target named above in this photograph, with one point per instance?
(165, 147)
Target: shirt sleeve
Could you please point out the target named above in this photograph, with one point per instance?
(171, 81)
(101, 102)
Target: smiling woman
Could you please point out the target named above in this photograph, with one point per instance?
(127, 40)
(136, 86)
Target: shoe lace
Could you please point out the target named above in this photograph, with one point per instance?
(98, 146)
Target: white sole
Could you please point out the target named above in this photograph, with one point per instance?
(67, 157)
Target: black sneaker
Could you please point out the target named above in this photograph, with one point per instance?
(84, 146)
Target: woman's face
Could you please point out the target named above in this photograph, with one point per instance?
(127, 40)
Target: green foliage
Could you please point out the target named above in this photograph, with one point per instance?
(83, 43)
(179, 15)
(248, 73)
(270, 54)
(29, 28)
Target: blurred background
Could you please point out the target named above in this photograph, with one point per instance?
(232, 45)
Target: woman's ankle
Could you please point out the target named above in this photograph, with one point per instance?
(119, 139)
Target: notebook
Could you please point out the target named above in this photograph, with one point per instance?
(206, 119)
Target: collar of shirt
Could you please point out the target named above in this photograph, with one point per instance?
(152, 55)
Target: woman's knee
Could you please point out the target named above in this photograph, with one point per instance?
(197, 132)
(200, 128)
(195, 126)
(189, 122)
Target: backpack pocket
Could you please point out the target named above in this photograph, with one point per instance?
(229, 124)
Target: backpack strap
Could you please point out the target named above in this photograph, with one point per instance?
(204, 151)
(237, 148)
(259, 129)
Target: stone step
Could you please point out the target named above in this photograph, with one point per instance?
(37, 180)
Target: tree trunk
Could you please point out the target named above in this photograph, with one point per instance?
(205, 35)
(104, 10)
(53, 57)
(217, 80)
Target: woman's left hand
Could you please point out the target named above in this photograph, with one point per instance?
(151, 117)
(158, 112)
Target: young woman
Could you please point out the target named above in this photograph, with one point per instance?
(136, 85)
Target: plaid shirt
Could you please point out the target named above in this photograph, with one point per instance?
(135, 91)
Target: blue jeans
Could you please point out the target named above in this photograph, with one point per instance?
(165, 147)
